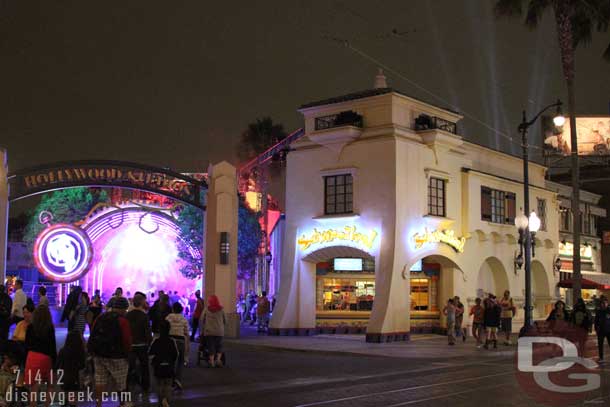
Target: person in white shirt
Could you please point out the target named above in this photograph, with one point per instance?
(19, 301)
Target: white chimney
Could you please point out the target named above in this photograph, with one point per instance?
(380, 81)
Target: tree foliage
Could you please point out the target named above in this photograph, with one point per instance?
(190, 222)
(258, 137)
(66, 205)
(249, 238)
(583, 17)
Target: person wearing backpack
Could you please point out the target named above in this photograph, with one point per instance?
(110, 343)
(164, 355)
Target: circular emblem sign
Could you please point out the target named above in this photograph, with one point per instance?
(62, 253)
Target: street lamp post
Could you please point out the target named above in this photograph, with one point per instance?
(522, 222)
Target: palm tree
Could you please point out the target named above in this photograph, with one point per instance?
(258, 137)
(575, 22)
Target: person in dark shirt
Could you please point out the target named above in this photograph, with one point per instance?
(602, 327)
(6, 305)
(164, 353)
(71, 360)
(159, 312)
(141, 336)
(42, 351)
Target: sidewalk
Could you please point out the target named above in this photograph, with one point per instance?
(421, 346)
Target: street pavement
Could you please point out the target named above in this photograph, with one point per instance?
(344, 370)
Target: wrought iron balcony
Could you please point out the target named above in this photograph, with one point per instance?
(425, 122)
(347, 118)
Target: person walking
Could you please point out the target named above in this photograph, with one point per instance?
(141, 337)
(213, 322)
(19, 301)
(179, 331)
(602, 327)
(559, 319)
(80, 314)
(459, 318)
(71, 303)
(582, 322)
(22, 326)
(197, 310)
(70, 361)
(263, 308)
(118, 296)
(94, 311)
(6, 306)
(158, 312)
(506, 316)
(164, 354)
(110, 343)
(477, 312)
(42, 296)
(449, 311)
(491, 320)
(42, 353)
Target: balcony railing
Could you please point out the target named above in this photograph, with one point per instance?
(347, 118)
(425, 122)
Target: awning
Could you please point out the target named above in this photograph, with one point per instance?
(586, 284)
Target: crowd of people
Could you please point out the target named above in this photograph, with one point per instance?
(129, 338)
(492, 317)
(255, 309)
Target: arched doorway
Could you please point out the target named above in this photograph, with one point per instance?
(540, 291)
(492, 278)
(344, 288)
(432, 283)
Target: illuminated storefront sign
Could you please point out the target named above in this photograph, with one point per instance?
(440, 236)
(63, 253)
(347, 234)
(567, 250)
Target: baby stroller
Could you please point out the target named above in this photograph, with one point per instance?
(203, 354)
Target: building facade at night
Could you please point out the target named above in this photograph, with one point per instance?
(591, 244)
(389, 213)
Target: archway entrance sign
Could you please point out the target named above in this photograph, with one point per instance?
(100, 173)
(218, 200)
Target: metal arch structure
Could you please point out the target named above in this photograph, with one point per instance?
(106, 173)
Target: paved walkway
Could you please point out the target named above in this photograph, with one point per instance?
(420, 346)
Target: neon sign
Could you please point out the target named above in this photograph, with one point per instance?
(440, 236)
(63, 253)
(347, 234)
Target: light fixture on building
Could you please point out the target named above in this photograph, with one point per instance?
(268, 257)
(557, 265)
(518, 261)
(559, 119)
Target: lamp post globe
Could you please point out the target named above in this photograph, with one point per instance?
(534, 222)
(559, 120)
(521, 221)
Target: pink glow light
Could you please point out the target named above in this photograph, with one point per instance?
(126, 255)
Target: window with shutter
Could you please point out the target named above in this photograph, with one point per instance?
(511, 208)
(486, 204)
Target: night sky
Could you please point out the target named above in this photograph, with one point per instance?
(174, 83)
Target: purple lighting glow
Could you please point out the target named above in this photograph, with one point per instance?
(136, 250)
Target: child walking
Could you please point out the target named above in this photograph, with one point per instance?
(179, 331)
(164, 353)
